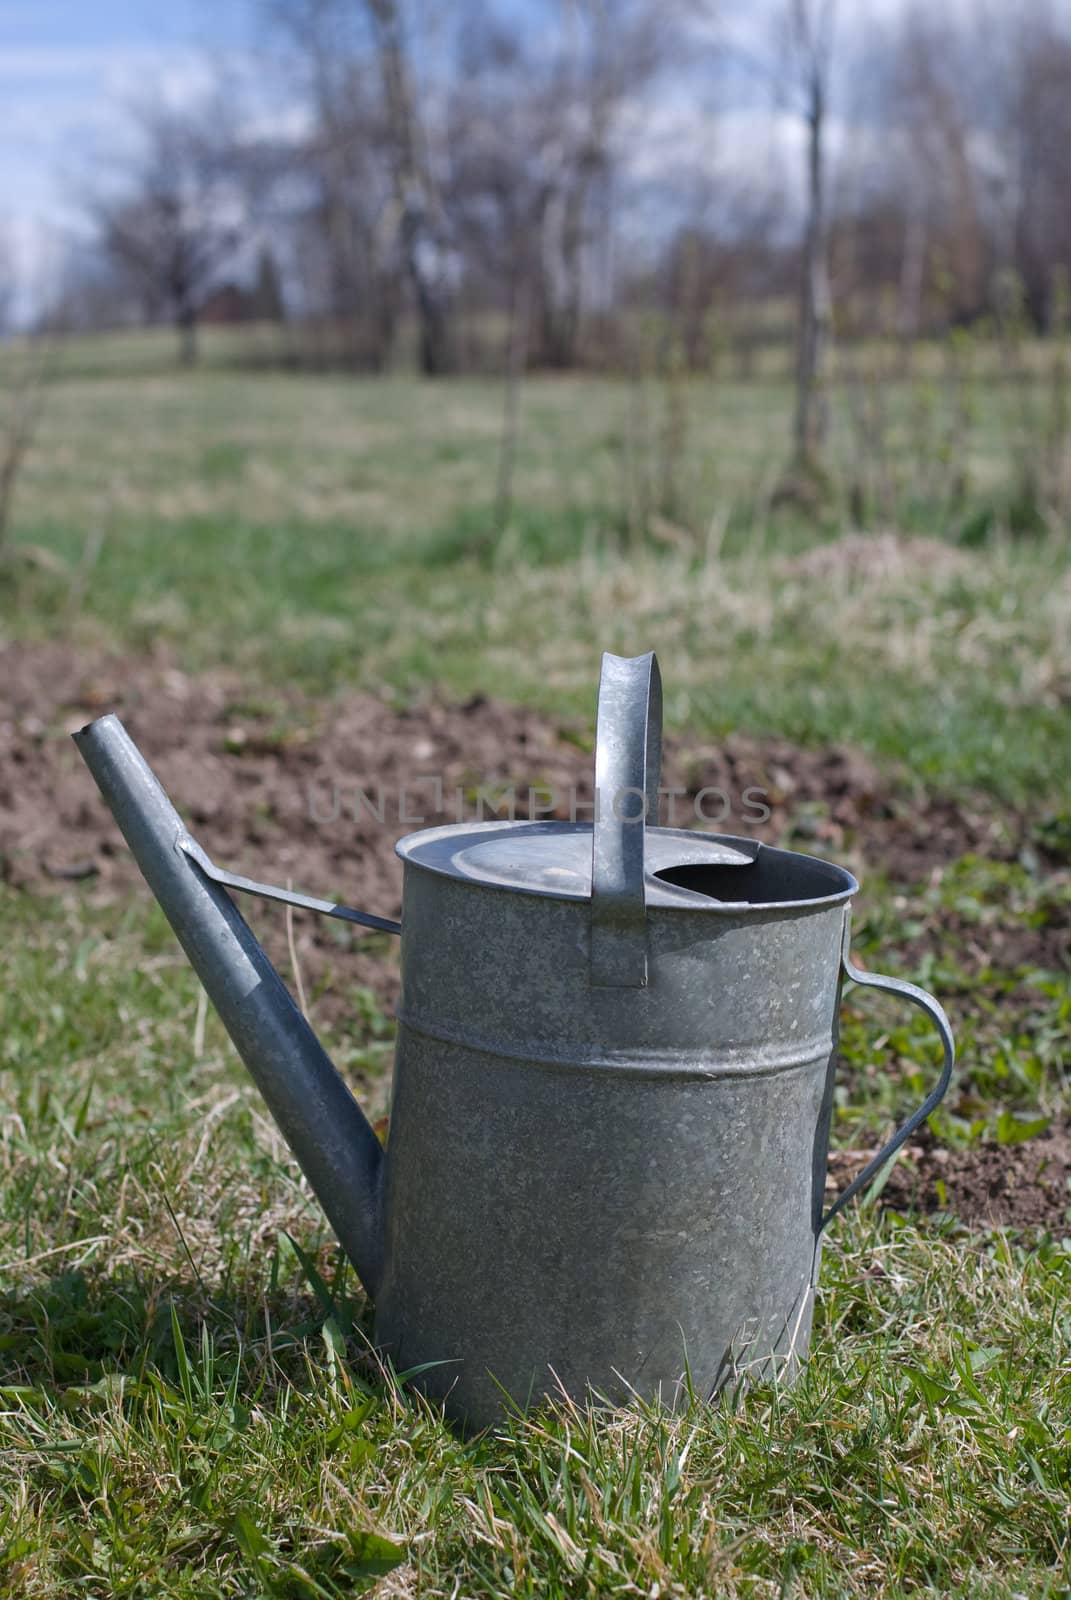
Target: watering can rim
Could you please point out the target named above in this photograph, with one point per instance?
(442, 852)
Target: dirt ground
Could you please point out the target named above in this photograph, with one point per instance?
(995, 1185)
(268, 782)
(260, 777)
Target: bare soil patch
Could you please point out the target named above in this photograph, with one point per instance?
(1018, 1186)
(268, 779)
(282, 787)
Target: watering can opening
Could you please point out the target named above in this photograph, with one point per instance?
(771, 877)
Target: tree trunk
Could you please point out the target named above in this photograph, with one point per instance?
(563, 223)
(435, 306)
(912, 273)
(425, 249)
(559, 249)
(186, 322)
(516, 353)
(815, 304)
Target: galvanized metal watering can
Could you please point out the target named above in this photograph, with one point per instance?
(612, 1090)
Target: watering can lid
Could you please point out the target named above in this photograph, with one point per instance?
(613, 861)
(555, 858)
(617, 863)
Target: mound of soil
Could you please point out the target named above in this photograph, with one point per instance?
(1024, 1185)
(877, 558)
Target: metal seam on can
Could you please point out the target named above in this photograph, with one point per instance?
(742, 1061)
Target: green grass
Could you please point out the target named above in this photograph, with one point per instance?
(188, 1402)
(962, 675)
(248, 1458)
(188, 1407)
(339, 531)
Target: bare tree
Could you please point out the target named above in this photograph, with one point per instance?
(799, 69)
(725, 258)
(367, 207)
(334, 184)
(269, 304)
(23, 396)
(1041, 116)
(345, 166)
(516, 352)
(7, 283)
(608, 52)
(178, 217)
(430, 262)
(928, 84)
(974, 108)
(809, 38)
(532, 133)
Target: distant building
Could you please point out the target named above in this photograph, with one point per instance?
(231, 302)
(228, 303)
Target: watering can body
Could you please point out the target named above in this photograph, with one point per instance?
(604, 1186)
(612, 1089)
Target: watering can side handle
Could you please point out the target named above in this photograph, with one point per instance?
(287, 897)
(932, 1007)
(628, 771)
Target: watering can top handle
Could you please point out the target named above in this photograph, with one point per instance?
(628, 770)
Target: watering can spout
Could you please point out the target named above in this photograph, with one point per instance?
(319, 1118)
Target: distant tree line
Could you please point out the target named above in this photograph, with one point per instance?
(461, 184)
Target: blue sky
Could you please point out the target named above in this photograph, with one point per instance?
(67, 67)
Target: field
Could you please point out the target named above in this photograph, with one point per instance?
(290, 582)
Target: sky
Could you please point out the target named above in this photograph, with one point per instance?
(69, 68)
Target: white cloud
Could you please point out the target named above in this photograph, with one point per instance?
(37, 255)
(288, 124)
(65, 123)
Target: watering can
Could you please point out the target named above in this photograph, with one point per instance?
(612, 1089)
